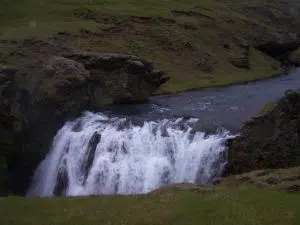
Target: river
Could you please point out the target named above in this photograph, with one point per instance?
(134, 149)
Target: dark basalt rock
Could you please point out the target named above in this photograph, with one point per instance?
(268, 141)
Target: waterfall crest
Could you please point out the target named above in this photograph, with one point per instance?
(97, 154)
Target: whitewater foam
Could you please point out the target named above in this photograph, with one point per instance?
(97, 154)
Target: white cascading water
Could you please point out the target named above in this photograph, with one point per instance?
(97, 155)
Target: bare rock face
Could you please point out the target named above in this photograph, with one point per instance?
(270, 141)
(127, 77)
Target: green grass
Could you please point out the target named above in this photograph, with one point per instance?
(269, 106)
(240, 206)
(174, 42)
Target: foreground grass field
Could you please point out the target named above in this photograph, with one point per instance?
(238, 206)
(198, 43)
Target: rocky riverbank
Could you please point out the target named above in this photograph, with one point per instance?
(269, 141)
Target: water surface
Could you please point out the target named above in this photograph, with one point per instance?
(218, 107)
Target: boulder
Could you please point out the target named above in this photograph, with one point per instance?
(271, 140)
(128, 78)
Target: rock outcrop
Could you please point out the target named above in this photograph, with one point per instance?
(36, 100)
(127, 77)
(269, 141)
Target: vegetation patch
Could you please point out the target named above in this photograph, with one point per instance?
(245, 205)
(177, 36)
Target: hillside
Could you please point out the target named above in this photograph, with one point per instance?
(198, 44)
(175, 206)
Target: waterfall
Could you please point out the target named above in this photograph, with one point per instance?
(97, 154)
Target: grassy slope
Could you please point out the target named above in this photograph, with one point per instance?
(235, 200)
(175, 42)
(240, 206)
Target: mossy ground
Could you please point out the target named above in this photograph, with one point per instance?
(295, 56)
(187, 39)
(244, 205)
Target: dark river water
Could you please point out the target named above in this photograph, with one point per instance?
(225, 107)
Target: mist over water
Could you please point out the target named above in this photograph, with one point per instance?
(97, 155)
